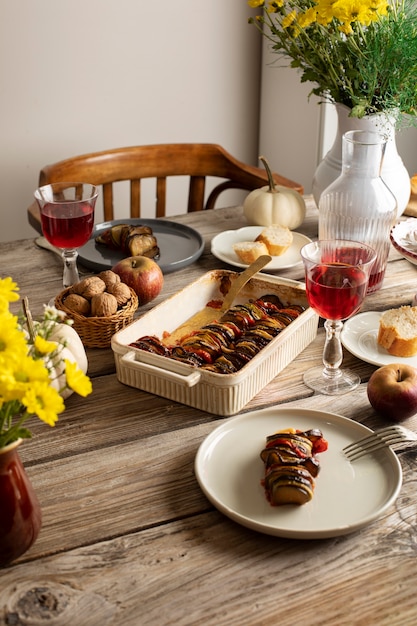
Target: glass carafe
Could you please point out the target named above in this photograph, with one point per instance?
(358, 205)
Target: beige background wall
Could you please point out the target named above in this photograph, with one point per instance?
(84, 75)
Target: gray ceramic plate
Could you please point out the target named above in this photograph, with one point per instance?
(179, 244)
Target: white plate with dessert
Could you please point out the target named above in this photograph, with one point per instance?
(347, 496)
(360, 337)
(222, 248)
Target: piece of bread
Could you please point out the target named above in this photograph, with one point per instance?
(249, 251)
(276, 238)
(398, 331)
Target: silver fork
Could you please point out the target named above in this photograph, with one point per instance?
(395, 436)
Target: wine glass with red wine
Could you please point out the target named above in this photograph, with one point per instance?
(67, 216)
(336, 274)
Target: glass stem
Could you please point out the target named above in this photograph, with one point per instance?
(70, 267)
(332, 353)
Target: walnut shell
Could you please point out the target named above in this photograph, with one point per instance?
(121, 292)
(103, 305)
(109, 277)
(89, 287)
(78, 304)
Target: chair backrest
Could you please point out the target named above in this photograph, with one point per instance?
(160, 161)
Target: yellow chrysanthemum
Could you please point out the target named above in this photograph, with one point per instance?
(12, 340)
(307, 18)
(7, 289)
(43, 346)
(254, 4)
(275, 5)
(44, 401)
(348, 11)
(77, 380)
(289, 19)
(20, 375)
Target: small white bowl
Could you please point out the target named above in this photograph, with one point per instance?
(404, 239)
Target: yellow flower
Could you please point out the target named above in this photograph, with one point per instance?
(348, 11)
(289, 19)
(12, 340)
(7, 290)
(256, 3)
(19, 375)
(275, 5)
(44, 401)
(77, 380)
(307, 18)
(44, 346)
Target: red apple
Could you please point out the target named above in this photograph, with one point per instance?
(143, 275)
(392, 391)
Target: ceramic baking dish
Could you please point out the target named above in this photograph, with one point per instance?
(221, 394)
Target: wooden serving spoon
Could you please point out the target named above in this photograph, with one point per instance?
(210, 314)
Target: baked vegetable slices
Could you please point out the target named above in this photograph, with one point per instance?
(131, 240)
(226, 345)
(291, 465)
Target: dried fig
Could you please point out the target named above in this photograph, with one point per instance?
(103, 305)
(78, 304)
(89, 287)
(121, 292)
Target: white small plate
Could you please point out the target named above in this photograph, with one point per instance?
(359, 336)
(222, 248)
(404, 239)
(347, 496)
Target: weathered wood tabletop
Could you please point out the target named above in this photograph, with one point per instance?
(128, 536)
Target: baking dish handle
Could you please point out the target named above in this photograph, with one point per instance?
(187, 379)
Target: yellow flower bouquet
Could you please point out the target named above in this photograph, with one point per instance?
(360, 53)
(36, 371)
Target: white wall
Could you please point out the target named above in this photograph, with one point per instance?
(84, 75)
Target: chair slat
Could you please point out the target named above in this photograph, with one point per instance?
(161, 196)
(135, 198)
(108, 211)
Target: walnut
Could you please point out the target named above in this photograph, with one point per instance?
(121, 292)
(103, 305)
(109, 277)
(78, 304)
(89, 287)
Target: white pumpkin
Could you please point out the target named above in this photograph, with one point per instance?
(74, 351)
(274, 204)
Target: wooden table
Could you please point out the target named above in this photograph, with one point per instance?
(128, 538)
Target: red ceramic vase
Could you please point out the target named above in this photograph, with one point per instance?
(20, 512)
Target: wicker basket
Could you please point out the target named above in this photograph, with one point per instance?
(96, 332)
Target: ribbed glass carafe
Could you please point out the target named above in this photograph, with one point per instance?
(358, 205)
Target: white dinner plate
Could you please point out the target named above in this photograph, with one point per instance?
(359, 336)
(222, 248)
(347, 496)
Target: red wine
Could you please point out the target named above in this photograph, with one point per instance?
(67, 226)
(375, 280)
(336, 291)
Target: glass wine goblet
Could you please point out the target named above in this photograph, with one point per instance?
(67, 216)
(336, 274)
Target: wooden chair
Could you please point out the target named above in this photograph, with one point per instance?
(160, 161)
